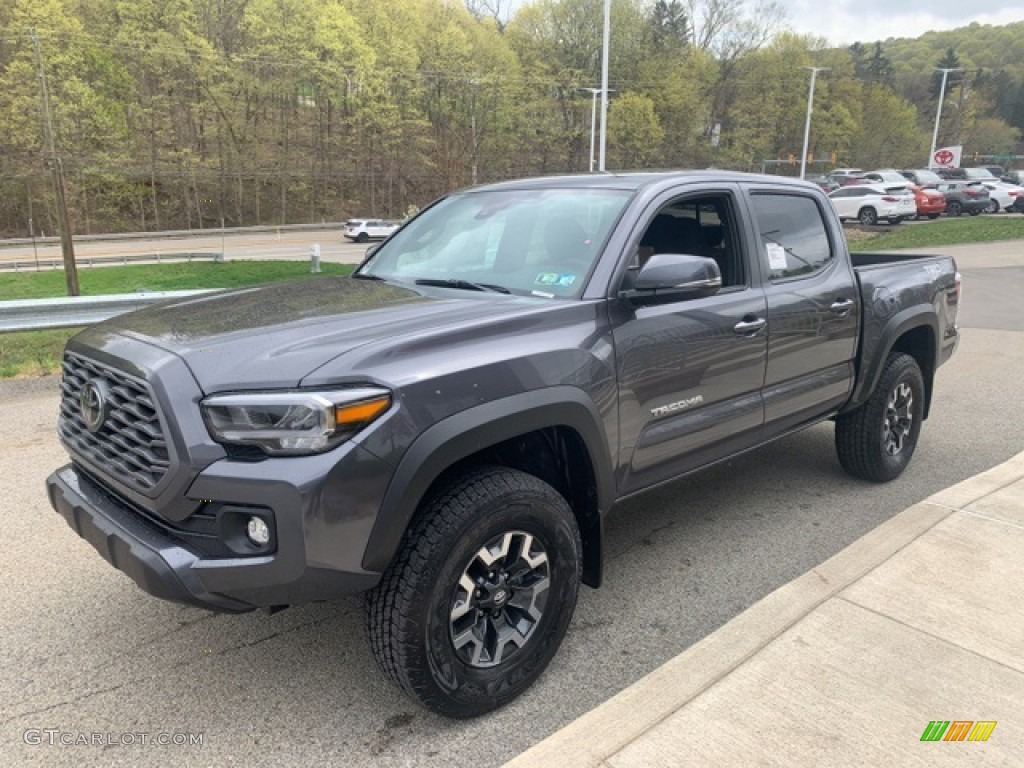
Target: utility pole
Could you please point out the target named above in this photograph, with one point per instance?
(604, 82)
(53, 162)
(938, 113)
(807, 122)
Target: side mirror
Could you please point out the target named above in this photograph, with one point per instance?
(674, 277)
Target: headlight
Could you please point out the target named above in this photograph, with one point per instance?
(293, 423)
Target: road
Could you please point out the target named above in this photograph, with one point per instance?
(84, 651)
(253, 245)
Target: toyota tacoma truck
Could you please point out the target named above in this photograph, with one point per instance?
(446, 429)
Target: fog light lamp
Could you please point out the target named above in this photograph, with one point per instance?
(258, 532)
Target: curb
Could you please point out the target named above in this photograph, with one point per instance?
(597, 735)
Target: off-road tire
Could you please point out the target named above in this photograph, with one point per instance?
(865, 437)
(410, 614)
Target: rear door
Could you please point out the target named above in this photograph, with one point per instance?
(846, 201)
(813, 307)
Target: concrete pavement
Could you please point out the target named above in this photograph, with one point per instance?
(920, 620)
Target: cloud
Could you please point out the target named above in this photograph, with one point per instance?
(843, 22)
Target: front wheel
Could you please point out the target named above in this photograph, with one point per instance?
(877, 440)
(480, 594)
(993, 206)
(954, 209)
(362, 237)
(868, 216)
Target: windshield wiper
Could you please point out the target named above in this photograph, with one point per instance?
(464, 285)
(365, 276)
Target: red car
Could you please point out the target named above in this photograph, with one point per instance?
(930, 202)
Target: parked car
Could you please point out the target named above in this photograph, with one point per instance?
(929, 201)
(923, 177)
(448, 429)
(967, 174)
(964, 197)
(1014, 177)
(869, 203)
(361, 230)
(1001, 196)
(827, 184)
(846, 176)
(888, 177)
(996, 170)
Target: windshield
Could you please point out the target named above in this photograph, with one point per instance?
(928, 177)
(540, 242)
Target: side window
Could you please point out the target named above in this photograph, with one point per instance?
(794, 241)
(701, 226)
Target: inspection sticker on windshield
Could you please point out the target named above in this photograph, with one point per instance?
(776, 255)
(554, 278)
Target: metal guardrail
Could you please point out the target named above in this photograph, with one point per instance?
(91, 261)
(70, 312)
(177, 233)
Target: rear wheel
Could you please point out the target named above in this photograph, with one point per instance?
(993, 206)
(877, 440)
(954, 208)
(480, 594)
(868, 216)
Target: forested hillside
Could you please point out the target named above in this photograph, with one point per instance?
(181, 113)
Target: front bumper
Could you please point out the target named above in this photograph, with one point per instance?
(317, 557)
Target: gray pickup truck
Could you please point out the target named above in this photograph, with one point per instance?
(446, 429)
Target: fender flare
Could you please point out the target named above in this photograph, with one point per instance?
(912, 318)
(472, 430)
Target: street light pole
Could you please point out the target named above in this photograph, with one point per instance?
(604, 81)
(593, 119)
(807, 122)
(938, 113)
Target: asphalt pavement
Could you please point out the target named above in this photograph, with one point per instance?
(86, 652)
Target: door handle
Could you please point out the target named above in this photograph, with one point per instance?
(842, 307)
(750, 327)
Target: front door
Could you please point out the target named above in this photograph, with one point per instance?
(690, 373)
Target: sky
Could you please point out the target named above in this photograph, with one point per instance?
(843, 22)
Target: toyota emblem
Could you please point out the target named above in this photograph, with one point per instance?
(92, 404)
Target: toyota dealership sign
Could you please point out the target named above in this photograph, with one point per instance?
(947, 157)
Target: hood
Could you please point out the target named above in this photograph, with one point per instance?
(272, 336)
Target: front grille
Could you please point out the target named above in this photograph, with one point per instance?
(129, 446)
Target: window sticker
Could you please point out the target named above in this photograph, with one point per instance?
(563, 280)
(776, 255)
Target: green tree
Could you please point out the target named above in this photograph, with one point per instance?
(634, 132)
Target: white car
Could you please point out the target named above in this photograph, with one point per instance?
(889, 177)
(870, 203)
(1002, 196)
(361, 230)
